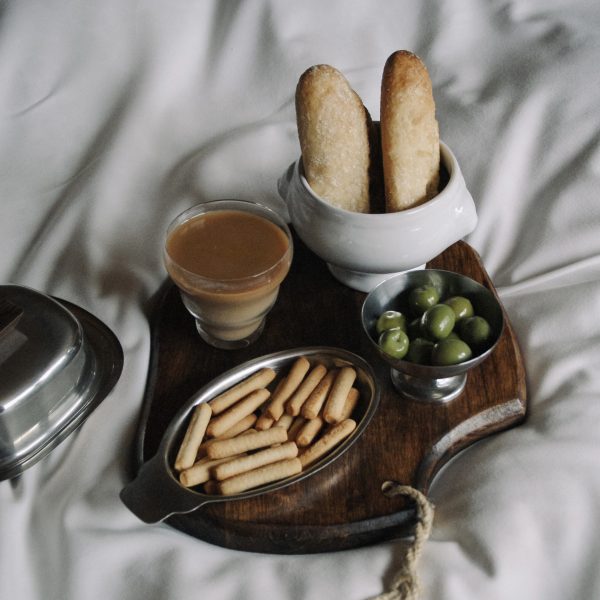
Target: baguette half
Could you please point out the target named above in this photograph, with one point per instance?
(409, 133)
(334, 129)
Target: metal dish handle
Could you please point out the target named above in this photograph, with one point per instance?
(155, 495)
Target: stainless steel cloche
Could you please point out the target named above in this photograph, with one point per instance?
(57, 363)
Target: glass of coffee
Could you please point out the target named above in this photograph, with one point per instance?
(228, 258)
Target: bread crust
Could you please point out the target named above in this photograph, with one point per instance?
(334, 130)
(409, 133)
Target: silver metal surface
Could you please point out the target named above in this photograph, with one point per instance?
(427, 383)
(56, 366)
(155, 493)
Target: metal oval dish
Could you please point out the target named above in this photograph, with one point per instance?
(155, 493)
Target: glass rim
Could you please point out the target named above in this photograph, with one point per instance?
(245, 206)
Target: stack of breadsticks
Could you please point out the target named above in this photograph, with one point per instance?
(345, 160)
(249, 436)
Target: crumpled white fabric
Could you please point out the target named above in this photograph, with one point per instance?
(116, 115)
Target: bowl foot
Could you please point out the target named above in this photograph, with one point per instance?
(421, 389)
(358, 280)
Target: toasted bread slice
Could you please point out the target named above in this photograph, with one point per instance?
(409, 133)
(334, 129)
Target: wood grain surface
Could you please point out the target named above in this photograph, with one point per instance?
(342, 506)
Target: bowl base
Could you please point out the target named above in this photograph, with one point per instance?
(360, 281)
(436, 391)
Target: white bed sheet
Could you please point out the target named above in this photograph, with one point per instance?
(116, 115)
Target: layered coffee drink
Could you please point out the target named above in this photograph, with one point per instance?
(228, 258)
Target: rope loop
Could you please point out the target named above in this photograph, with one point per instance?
(405, 584)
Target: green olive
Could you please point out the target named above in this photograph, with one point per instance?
(461, 306)
(394, 342)
(419, 351)
(475, 331)
(450, 351)
(438, 321)
(421, 298)
(389, 320)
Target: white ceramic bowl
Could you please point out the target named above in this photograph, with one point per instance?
(362, 250)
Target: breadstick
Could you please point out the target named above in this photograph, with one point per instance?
(240, 427)
(350, 403)
(409, 133)
(250, 441)
(313, 404)
(333, 129)
(261, 476)
(292, 381)
(193, 437)
(284, 421)
(242, 408)
(264, 422)
(330, 439)
(294, 404)
(200, 472)
(295, 427)
(202, 451)
(252, 461)
(309, 431)
(258, 380)
(332, 411)
(243, 425)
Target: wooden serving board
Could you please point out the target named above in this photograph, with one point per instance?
(343, 505)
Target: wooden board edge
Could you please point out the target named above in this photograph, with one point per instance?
(482, 425)
(294, 540)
